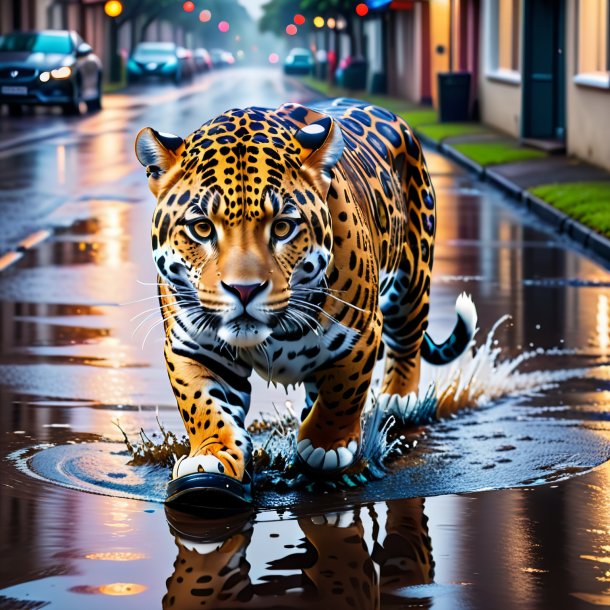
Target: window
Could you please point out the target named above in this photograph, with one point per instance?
(508, 34)
(503, 24)
(593, 61)
(26, 42)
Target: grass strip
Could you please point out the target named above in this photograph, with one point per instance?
(586, 202)
(497, 152)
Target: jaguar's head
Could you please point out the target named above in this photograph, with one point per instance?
(242, 229)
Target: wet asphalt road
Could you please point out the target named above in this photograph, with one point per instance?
(73, 359)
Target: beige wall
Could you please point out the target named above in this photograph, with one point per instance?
(588, 108)
(500, 104)
(499, 93)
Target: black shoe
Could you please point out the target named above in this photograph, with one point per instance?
(210, 491)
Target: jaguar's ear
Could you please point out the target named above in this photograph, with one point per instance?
(322, 146)
(157, 153)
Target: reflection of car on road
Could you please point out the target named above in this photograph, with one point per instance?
(221, 58)
(49, 67)
(299, 61)
(157, 59)
(203, 61)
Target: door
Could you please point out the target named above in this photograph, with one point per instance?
(543, 112)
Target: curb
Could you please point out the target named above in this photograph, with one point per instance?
(505, 184)
(558, 221)
(463, 160)
(546, 212)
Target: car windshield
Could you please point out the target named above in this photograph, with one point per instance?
(31, 42)
(157, 49)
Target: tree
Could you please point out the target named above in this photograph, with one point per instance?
(278, 13)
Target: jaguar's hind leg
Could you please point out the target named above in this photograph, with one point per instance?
(405, 311)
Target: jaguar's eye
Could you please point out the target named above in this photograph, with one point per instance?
(282, 229)
(201, 230)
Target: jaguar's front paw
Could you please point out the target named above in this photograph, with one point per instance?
(327, 460)
(198, 463)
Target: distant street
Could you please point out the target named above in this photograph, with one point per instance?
(81, 346)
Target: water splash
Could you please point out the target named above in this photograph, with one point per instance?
(478, 378)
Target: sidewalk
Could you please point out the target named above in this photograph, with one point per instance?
(569, 194)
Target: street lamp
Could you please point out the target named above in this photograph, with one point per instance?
(113, 8)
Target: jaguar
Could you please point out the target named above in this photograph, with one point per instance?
(297, 242)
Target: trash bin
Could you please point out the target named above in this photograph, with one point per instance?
(352, 74)
(378, 83)
(453, 96)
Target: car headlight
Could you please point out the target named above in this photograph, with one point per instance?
(61, 73)
(45, 77)
(290, 60)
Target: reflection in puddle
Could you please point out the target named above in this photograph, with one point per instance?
(114, 589)
(331, 563)
(116, 556)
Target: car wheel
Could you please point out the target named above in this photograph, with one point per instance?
(95, 104)
(177, 78)
(15, 110)
(73, 107)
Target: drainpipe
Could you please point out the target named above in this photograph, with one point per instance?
(451, 22)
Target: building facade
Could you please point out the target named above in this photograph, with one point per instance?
(545, 68)
(540, 68)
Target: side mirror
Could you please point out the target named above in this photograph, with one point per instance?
(83, 50)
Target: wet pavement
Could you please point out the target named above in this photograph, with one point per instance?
(78, 351)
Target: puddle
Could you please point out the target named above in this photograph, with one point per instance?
(504, 446)
(498, 438)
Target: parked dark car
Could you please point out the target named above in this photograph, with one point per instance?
(203, 61)
(221, 58)
(187, 58)
(299, 61)
(157, 59)
(49, 67)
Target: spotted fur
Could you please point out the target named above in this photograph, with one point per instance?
(295, 242)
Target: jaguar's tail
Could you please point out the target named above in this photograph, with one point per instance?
(458, 340)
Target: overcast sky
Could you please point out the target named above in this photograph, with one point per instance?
(254, 7)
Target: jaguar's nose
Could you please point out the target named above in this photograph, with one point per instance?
(245, 292)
